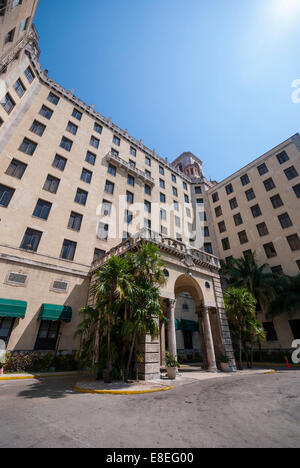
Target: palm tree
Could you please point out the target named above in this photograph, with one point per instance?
(240, 307)
(288, 296)
(245, 273)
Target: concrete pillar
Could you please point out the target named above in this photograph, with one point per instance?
(162, 343)
(202, 340)
(171, 328)
(211, 357)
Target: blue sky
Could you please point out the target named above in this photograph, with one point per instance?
(209, 76)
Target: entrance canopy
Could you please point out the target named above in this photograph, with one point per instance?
(56, 313)
(11, 308)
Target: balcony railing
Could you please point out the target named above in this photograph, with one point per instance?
(129, 168)
(165, 244)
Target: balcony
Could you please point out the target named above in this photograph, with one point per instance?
(111, 157)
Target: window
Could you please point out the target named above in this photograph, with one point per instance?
(53, 99)
(130, 180)
(297, 190)
(276, 201)
(72, 128)
(42, 209)
(132, 163)
(103, 231)
(147, 223)
(174, 191)
(200, 201)
(233, 203)
(51, 184)
(164, 231)
(98, 253)
(29, 75)
(148, 173)
(215, 197)
(238, 219)
(59, 162)
(198, 190)
(31, 240)
(285, 221)
(16, 169)
(184, 185)
(8, 103)
(226, 244)
(147, 206)
(47, 336)
(262, 229)
(206, 232)
(262, 169)
(162, 198)
(17, 279)
(245, 179)
(77, 114)
(218, 211)
(90, 158)
(128, 217)
(243, 237)
(247, 253)
(6, 326)
(270, 331)
(24, 25)
(161, 170)
(6, 194)
(10, 36)
(59, 286)
(37, 128)
(177, 221)
(282, 157)
(106, 208)
(86, 176)
(250, 195)
(174, 180)
(294, 242)
(256, 211)
(19, 88)
(186, 199)
(98, 128)
(112, 170)
(116, 140)
(295, 327)
(148, 162)
(46, 112)
(66, 144)
(75, 221)
(291, 173)
(81, 196)
(68, 250)
(208, 248)
(95, 142)
(109, 187)
(277, 270)
(188, 212)
(147, 189)
(270, 250)
(229, 189)
(161, 183)
(132, 151)
(222, 227)
(114, 152)
(269, 184)
(176, 205)
(1, 121)
(129, 198)
(163, 214)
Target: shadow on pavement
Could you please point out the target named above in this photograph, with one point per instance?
(51, 388)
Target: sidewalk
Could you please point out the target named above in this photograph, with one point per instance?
(42, 375)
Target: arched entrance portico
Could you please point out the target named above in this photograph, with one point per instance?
(186, 283)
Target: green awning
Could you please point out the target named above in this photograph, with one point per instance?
(11, 308)
(56, 313)
(189, 325)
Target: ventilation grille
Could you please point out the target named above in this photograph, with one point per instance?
(60, 285)
(17, 278)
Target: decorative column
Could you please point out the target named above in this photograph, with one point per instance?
(171, 328)
(162, 344)
(211, 357)
(202, 340)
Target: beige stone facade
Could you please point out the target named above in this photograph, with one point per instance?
(74, 186)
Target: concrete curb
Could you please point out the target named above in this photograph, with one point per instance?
(40, 376)
(270, 372)
(121, 392)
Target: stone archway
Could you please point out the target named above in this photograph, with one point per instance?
(186, 283)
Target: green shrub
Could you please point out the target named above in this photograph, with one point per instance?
(37, 362)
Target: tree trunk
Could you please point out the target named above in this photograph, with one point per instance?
(130, 356)
(240, 358)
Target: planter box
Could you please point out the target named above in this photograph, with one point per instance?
(171, 372)
(225, 366)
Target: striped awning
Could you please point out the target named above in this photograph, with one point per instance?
(56, 313)
(12, 308)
